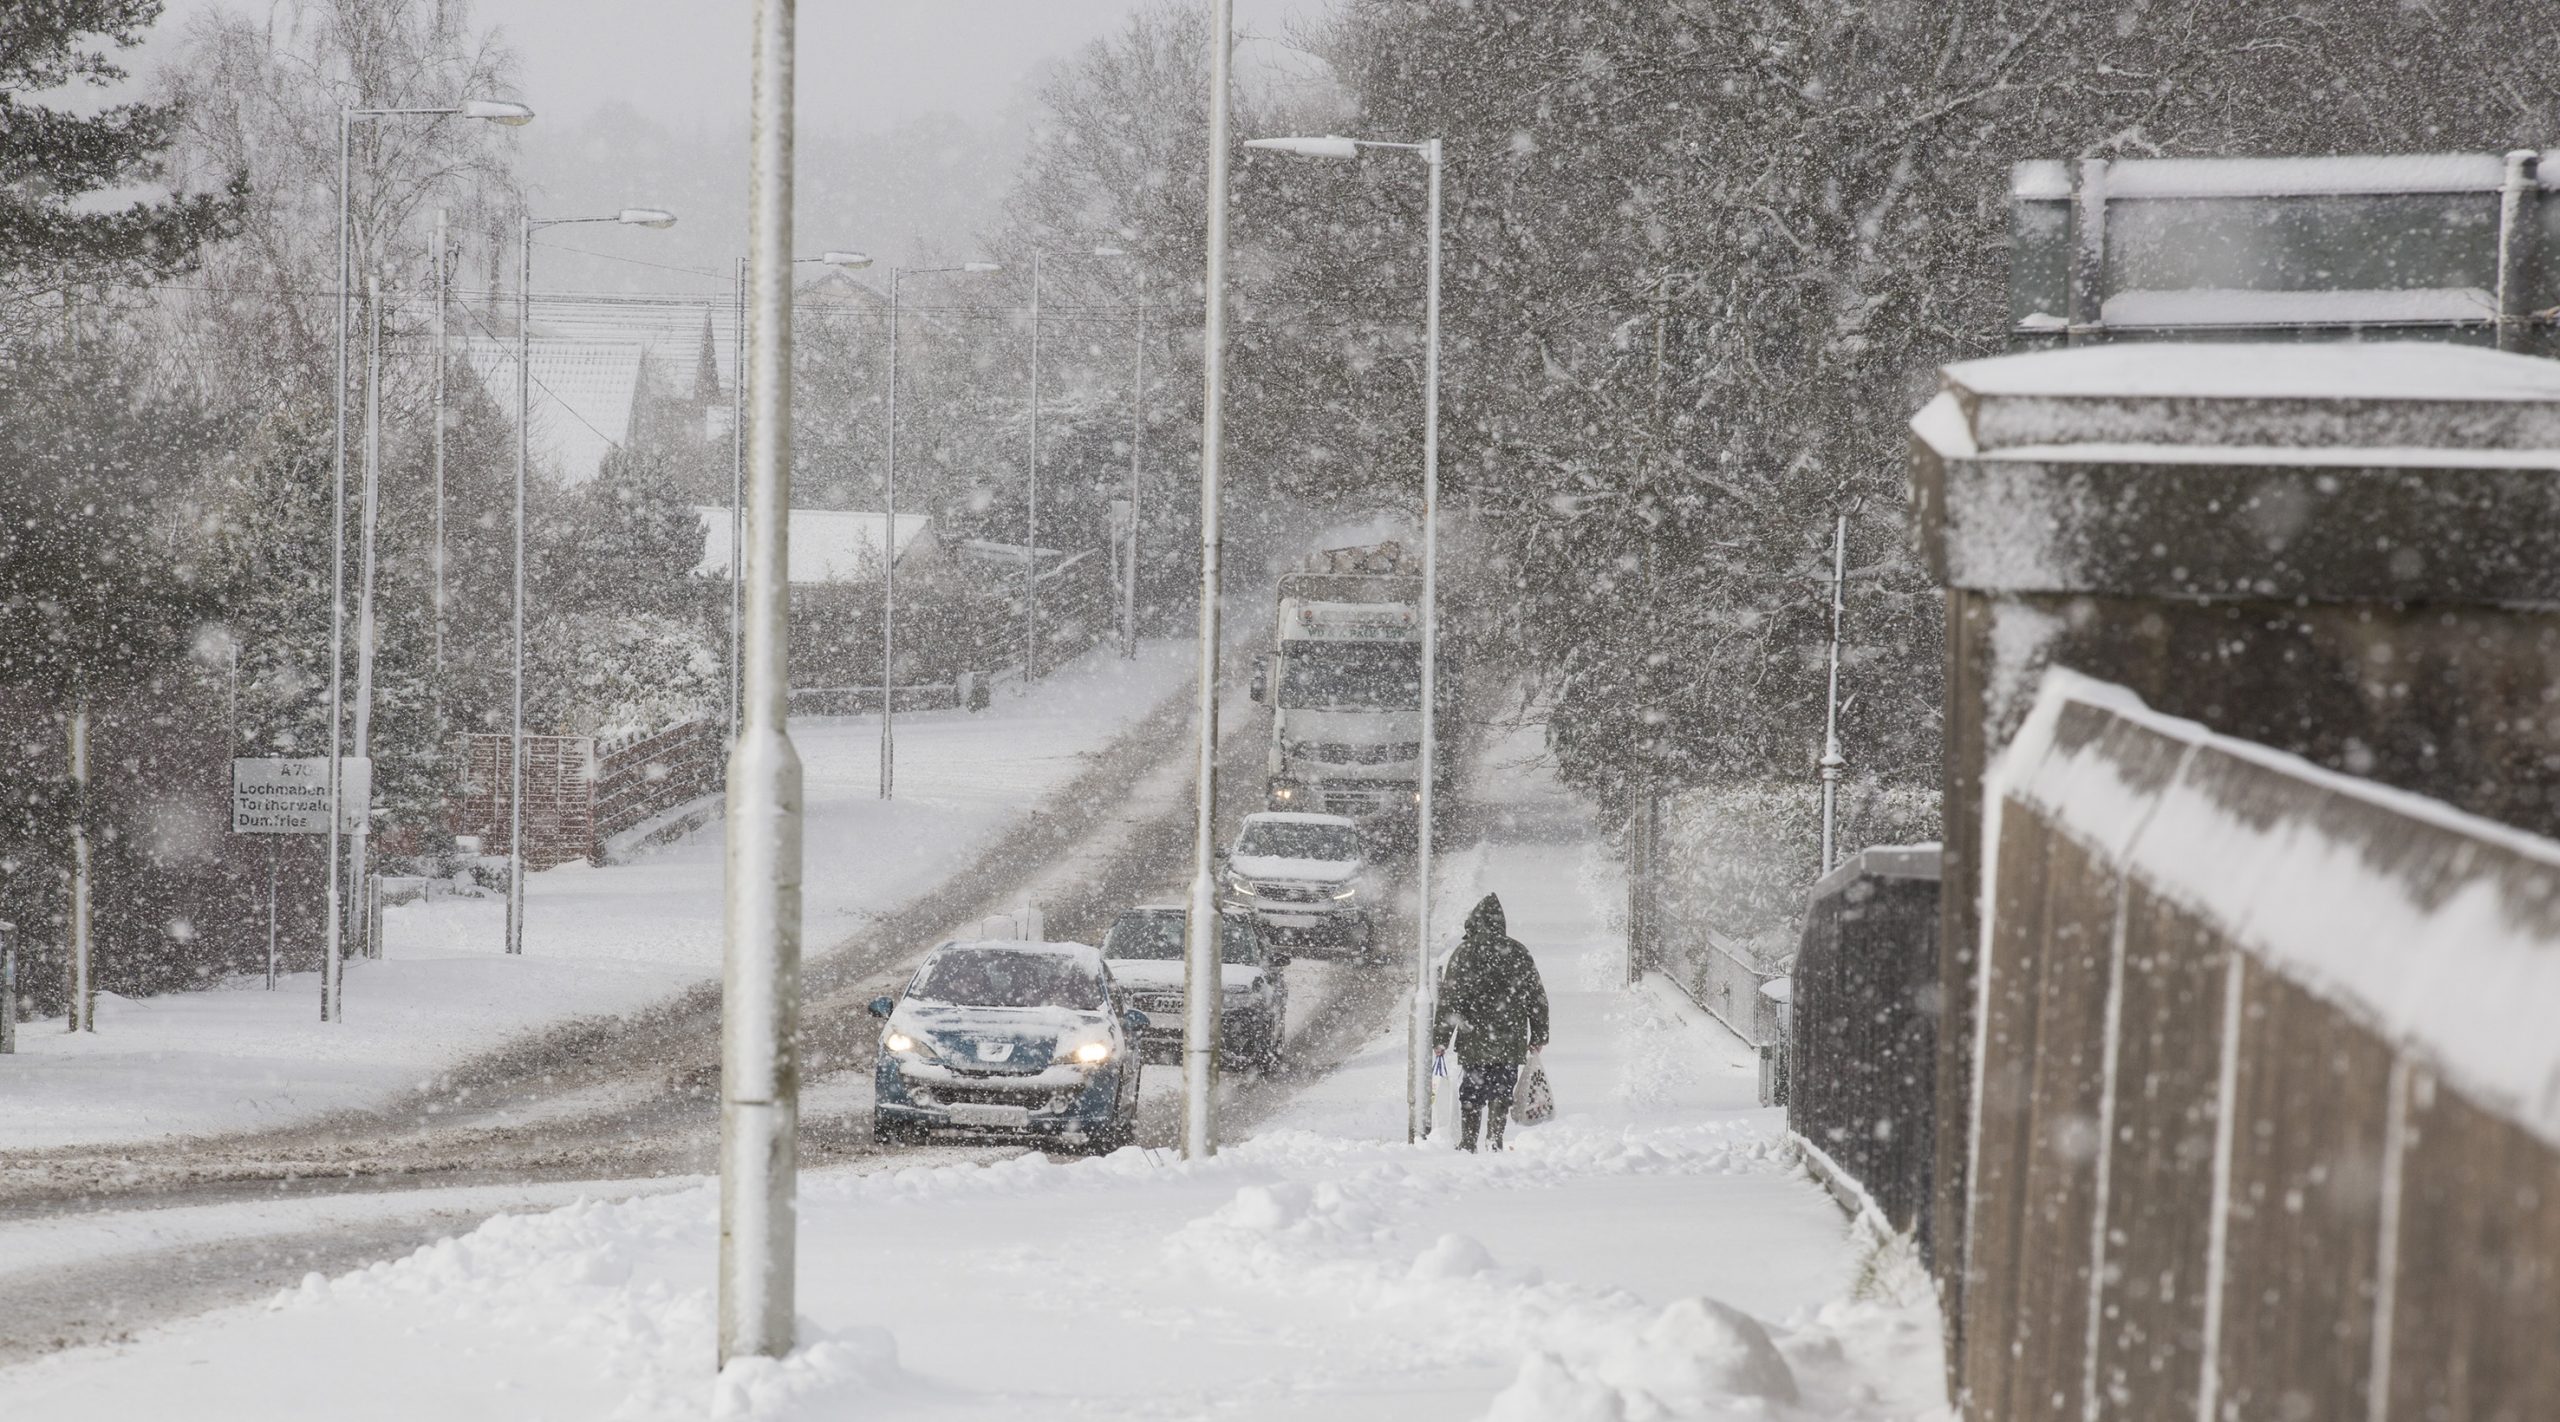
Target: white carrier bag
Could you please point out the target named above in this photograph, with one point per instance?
(1533, 1100)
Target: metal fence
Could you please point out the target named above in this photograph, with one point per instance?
(1862, 1036)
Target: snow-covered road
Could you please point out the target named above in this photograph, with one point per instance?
(599, 941)
(1612, 1266)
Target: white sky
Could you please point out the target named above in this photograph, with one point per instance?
(864, 64)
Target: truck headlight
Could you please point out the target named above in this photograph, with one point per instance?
(1240, 884)
(1351, 893)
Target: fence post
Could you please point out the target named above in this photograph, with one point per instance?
(8, 987)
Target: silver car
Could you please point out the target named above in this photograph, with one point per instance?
(1306, 878)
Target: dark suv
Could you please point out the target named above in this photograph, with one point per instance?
(1144, 952)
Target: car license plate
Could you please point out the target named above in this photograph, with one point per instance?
(971, 1113)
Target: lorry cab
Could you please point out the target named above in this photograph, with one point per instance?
(1344, 684)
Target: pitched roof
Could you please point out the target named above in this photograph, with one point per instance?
(827, 545)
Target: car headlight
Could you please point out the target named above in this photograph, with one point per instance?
(1240, 884)
(905, 1043)
(1349, 893)
(1093, 1052)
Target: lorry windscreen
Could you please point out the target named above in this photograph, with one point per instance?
(1335, 676)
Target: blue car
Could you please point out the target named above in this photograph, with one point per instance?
(1009, 1039)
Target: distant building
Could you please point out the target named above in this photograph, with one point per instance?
(829, 548)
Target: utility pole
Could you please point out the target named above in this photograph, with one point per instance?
(1202, 986)
(370, 514)
(1137, 433)
(760, 998)
(444, 299)
(889, 567)
(1031, 511)
(737, 481)
(1832, 762)
(8, 987)
(84, 997)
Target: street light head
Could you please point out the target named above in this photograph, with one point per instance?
(850, 261)
(646, 217)
(497, 111)
(1326, 147)
(982, 266)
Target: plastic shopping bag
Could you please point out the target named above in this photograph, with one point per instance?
(1534, 1101)
(1443, 1118)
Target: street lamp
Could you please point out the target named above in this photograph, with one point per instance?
(846, 261)
(1202, 989)
(527, 225)
(1031, 513)
(498, 111)
(1137, 435)
(889, 560)
(1418, 1057)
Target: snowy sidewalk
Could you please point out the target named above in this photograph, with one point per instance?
(1321, 1268)
(597, 940)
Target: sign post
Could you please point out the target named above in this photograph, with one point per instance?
(290, 795)
(8, 987)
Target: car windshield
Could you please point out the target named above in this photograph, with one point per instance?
(999, 977)
(1289, 839)
(1380, 676)
(1158, 938)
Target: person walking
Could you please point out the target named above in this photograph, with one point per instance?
(1493, 1009)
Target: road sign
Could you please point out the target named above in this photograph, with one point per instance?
(290, 795)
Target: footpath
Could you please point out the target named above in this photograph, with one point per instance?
(1653, 1252)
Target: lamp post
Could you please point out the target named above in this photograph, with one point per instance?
(1031, 512)
(1833, 762)
(889, 563)
(760, 967)
(493, 111)
(1418, 1056)
(848, 261)
(1202, 986)
(527, 225)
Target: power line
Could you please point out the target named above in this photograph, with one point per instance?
(533, 380)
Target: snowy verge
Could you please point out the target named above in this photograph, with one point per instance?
(598, 941)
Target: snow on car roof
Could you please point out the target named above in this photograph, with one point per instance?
(1299, 817)
(1084, 953)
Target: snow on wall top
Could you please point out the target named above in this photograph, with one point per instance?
(2438, 929)
(827, 545)
(2050, 179)
(2376, 370)
(2231, 306)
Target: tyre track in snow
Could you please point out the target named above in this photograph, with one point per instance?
(528, 1116)
(594, 1099)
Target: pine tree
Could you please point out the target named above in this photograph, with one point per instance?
(51, 160)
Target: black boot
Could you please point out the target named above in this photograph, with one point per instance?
(1496, 1113)
(1467, 1119)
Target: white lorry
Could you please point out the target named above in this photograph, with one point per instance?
(1344, 684)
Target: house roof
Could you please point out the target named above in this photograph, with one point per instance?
(827, 545)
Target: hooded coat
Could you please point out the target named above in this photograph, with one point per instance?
(1491, 997)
